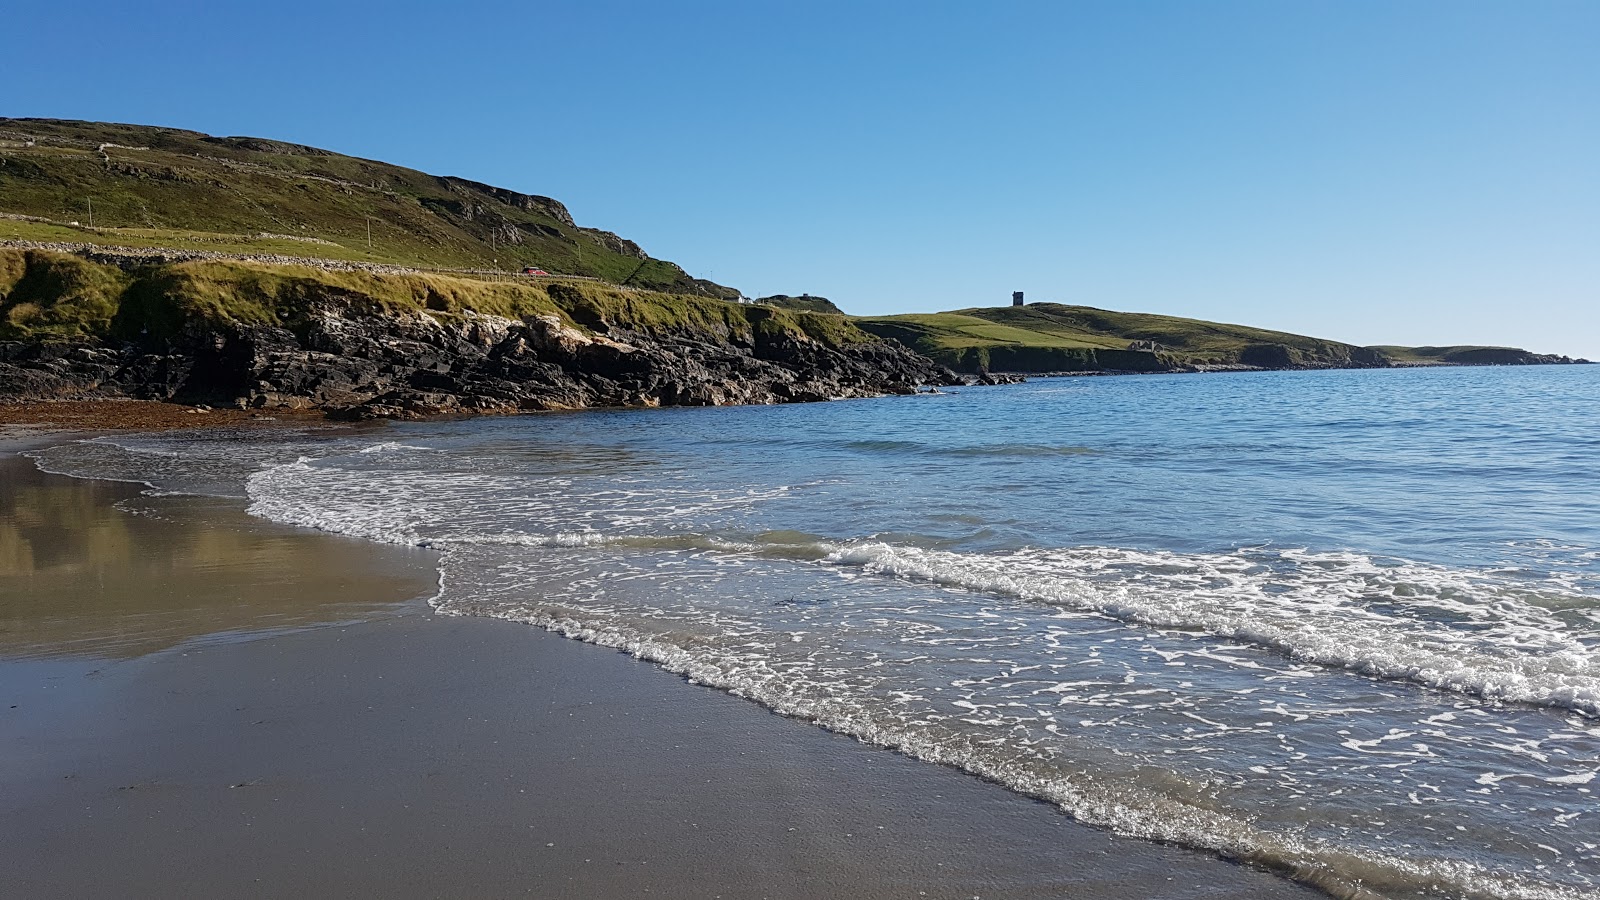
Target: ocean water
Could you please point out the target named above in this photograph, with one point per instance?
(1344, 625)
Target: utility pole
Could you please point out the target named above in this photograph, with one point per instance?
(91, 212)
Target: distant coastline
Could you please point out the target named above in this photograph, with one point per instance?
(362, 341)
(262, 275)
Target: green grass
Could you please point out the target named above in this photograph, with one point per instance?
(171, 188)
(1056, 337)
(1432, 354)
(51, 296)
(11, 229)
(965, 329)
(56, 297)
(804, 303)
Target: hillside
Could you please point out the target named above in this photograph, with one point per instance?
(1052, 337)
(139, 186)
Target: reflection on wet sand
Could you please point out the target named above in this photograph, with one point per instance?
(95, 568)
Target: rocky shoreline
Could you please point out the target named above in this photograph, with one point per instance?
(355, 341)
(352, 363)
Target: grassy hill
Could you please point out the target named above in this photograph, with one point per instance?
(1046, 337)
(139, 186)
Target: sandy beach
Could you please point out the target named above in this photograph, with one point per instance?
(197, 703)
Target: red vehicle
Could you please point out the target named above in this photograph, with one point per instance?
(533, 270)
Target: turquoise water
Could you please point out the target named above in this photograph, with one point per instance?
(1342, 624)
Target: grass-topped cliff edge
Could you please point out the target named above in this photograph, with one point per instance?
(64, 298)
(362, 344)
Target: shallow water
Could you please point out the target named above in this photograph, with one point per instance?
(91, 569)
(1342, 624)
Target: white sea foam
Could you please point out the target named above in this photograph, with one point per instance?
(1449, 629)
(1107, 800)
(390, 447)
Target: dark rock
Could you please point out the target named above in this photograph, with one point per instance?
(533, 203)
(985, 377)
(1267, 356)
(361, 363)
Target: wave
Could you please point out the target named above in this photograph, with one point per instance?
(1022, 450)
(1449, 629)
(1103, 799)
(1471, 632)
(391, 447)
(890, 447)
(975, 450)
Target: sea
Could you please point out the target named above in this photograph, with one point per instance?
(1343, 625)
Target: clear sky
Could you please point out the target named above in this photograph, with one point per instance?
(1394, 172)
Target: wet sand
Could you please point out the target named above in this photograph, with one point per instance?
(144, 415)
(195, 703)
(94, 568)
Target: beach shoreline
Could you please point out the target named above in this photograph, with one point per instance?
(382, 750)
(145, 415)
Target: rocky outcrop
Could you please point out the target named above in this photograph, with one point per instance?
(358, 364)
(615, 243)
(546, 206)
(803, 303)
(253, 145)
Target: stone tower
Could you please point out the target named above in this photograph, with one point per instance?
(1016, 298)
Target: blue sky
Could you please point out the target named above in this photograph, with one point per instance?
(1398, 172)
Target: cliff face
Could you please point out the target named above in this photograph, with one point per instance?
(365, 346)
(1322, 355)
(360, 365)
